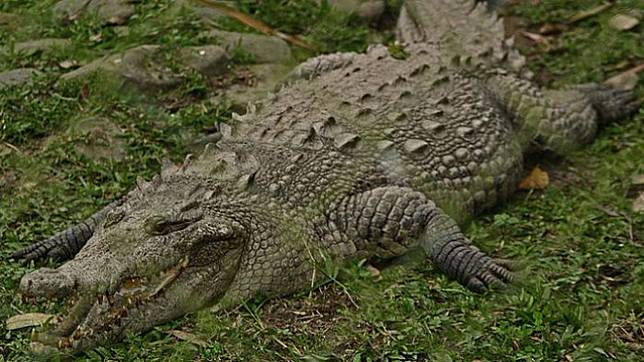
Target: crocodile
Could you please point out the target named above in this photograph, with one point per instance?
(357, 156)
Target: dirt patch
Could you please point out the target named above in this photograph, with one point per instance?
(630, 332)
(316, 316)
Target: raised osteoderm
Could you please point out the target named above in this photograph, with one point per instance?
(359, 156)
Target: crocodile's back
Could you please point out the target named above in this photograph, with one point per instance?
(427, 125)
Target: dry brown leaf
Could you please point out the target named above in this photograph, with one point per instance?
(186, 336)
(589, 13)
(638, 203)
(537, 38)
(552, 28)
(254, 23)
(27, 320)
(623, 22)
(536, 180)
(375, 273)
(626, 80)
(66, 64)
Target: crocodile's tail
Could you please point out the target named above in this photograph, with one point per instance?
(460, 27)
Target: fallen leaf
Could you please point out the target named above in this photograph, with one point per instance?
(619, 66)
(66, 64)
(638, 203)
(27, 320)
(626, 80)
(609, 211)
(96, 37)
(623, 22)
(551, 28)
(537, 38)
(375, 273)
(9, 145)
(84, 92)
(186, 336)
(589, 13)
(536, 180)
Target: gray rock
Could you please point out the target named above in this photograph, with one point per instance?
(263, 48)
(110, 11)
(203, 12)
(366, 9)
(41, 45)
(136, 66)
(17, 77)
(209, 60)
(69, 9)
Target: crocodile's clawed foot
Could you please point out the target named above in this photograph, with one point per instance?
(611, 104)
(61, 246)
(491, 274)
(40, 250)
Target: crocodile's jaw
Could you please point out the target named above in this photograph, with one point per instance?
(139, 305)
(171, 251)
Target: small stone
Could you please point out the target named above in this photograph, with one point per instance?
(135, 65)
(41, 45)
(263, 48)
(17, 77)
(368, 10)
(623, 22)
(115, 12)
(209, 60)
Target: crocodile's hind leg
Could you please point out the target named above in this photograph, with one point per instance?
(67, 243)
(558, 120)
(392, 220)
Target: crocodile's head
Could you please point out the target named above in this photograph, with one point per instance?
(170, 250)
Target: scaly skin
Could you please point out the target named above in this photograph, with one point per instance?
(360, 156)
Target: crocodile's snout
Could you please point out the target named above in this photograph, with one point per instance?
(47, 282)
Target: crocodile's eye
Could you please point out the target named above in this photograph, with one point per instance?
(162, 225)
(113, 217)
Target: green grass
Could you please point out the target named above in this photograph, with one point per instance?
(580, 296)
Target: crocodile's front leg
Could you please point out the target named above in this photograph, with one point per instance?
(67, 243)
(389, 221)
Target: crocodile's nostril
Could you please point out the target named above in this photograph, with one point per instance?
(47, 283)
